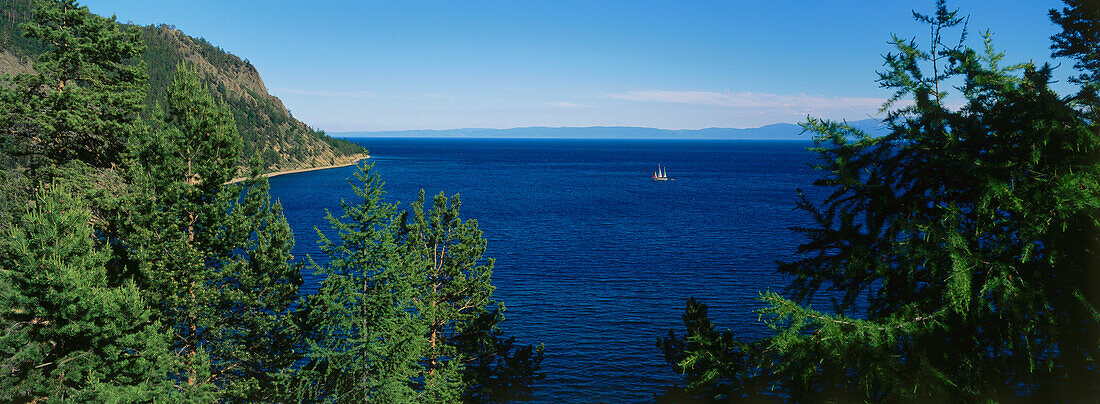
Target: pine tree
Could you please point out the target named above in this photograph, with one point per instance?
(717, 367)
(361, 334)
(73, 326)
(71, 117)
(465, 356)
(451, 288)
(66, 333)
(1078, 39)
(214, 255)
(260, 335)
(961, 247)
(87, 88)
(405, 313)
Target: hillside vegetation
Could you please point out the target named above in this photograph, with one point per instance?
(132, 269)
(266, 127)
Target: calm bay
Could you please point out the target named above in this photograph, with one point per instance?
(594, 259)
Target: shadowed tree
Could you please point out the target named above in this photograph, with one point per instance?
(961, 247)
(1078, 38)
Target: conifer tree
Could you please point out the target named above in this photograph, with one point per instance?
(71, 117)
(214, 255)
(67, 334)
(465, 356)
(716, 365)
(962, 246)
(1078, 39)
(405, 313)
(361, 333)
(82, 99)
(451, 288)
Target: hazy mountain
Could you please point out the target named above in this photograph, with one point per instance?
(779, 131)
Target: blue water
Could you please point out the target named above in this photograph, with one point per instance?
(593, 258)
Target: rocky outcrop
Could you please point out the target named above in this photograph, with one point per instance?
(266, 127)
(13, 64)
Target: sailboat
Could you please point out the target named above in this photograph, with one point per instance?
(660, 174)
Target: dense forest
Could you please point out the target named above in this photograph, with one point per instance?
(961, 248)
(265, 126)
(133, 270)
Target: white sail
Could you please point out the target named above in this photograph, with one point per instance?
(660, 174)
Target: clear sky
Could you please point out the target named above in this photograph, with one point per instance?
(395, 65)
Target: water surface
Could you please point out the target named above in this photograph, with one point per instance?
(593, 258)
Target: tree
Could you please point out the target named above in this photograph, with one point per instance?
(405, 312)
(715, 364)
(71, 117)
(1080, 23)
(465, 353)
(72, 328)
(1078, 39)
(361, 335)
(961, 247)
(67, 334)
(81, 102)
(213, 255)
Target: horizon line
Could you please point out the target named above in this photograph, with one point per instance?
(584, 127)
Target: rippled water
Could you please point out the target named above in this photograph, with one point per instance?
(594, 259)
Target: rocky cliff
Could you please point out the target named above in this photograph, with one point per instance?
(265, 125)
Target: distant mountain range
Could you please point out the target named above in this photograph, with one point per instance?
(779, 131)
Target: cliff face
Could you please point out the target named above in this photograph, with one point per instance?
(11, 63)
(265, 125)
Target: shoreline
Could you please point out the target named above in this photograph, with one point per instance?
(357, 159)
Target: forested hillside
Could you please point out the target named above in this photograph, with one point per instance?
(265, 126)
(132, 269)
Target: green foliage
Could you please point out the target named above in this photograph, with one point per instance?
(265, 126)
(130, 270)
(405, 312)
(1078, 38)
(961, 246)
(444, 255)
(81, 102)
(12, 14)
(68, 334)
(716, 366)
(162, 56)
(13, 196)
(263, 123)
(361, 336)
(213, 255)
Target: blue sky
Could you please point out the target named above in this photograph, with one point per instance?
(366, 65)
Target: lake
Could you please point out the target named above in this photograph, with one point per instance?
(594, 259)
